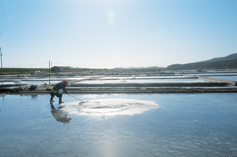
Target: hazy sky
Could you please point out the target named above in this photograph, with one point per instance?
(115, 33)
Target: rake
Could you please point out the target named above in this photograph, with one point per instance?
(78, 99)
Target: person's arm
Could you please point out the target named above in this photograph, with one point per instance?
(64, 89)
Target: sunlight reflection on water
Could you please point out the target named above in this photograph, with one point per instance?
(108, 108)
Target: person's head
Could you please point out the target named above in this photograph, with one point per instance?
(65, 82)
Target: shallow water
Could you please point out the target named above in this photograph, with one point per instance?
(182, 125)
(142, 81)
(219, 74)
(144, 77)
(231, 78)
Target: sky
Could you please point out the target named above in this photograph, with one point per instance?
(115, 33)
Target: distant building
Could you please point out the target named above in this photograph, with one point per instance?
(85, 69)
(60, 68)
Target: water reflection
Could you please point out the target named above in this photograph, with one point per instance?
(34, 96)
(108, 108)
(59, 115)
(2, 95)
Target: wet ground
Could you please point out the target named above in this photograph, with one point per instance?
(168, 125)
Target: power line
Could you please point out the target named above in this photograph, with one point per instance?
(1, 59)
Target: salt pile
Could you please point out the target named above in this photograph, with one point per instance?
(17, 81)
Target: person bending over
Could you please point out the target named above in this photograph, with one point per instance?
(58, 89)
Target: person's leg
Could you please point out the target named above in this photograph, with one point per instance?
(60, 98)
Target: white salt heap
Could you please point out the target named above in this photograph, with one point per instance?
(17, 81)
(133, 76)
(108, 108)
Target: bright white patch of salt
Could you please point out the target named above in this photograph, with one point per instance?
(108, 108)
(93, 96)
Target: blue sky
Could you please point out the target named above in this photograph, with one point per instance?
(115, 33)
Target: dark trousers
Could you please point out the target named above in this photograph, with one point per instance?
(58, 95)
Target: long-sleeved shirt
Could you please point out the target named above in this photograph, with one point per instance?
(59, 86)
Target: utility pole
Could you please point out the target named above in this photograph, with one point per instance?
(49, 72)
(1, 59)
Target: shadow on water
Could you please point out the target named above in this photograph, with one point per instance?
(59, 115)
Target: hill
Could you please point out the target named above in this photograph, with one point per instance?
(229, 57)
(227, 62)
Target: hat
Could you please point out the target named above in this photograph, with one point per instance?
(65, 82)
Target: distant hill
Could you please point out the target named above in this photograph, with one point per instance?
(229, 57)
(227, 62)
